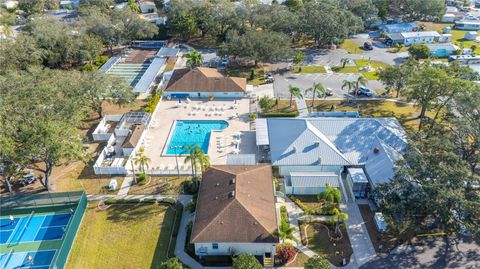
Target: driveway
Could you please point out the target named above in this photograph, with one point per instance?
(431, 253)
(305, 81)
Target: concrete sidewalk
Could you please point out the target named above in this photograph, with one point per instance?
(363, 250)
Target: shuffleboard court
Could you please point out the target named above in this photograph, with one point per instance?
(33, 228)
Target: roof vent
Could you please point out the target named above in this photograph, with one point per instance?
(231, 194)
(316, 143)
(218, 184)
(319, 160)
(255, 223)
(232, 181)
(376, 150)
(216, 197)
(221, 222)
(294, 149)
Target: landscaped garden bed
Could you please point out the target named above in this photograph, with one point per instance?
(320, 238)
(357, 68)
(311, 202)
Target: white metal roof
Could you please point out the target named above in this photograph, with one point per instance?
(261, 132)
(358, 175)
(314, 179)
(149, 76)
(420, 34)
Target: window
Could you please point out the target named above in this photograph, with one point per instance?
(215, 245)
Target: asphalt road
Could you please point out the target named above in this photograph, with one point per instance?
(305, 81)
(431, 253)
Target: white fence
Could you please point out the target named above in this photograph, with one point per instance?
(114, 169)
(101, 132)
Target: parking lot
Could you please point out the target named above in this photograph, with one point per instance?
(305, 81)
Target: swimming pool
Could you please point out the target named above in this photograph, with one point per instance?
(193, 132)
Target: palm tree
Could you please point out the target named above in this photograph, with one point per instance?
(197, 157)
(331, 194)
(286, 231)
(294, 91)
(348, 84)
(307, 213)
(361, 81)
(194, 58)
(337, 218)
(142, 161)
(191, 158)
(344, 61)
(316, 89)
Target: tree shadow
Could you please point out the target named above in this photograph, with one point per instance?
(168, 235)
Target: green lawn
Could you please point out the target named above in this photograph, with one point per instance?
(246, 72)
(283, 106)
(403, 112)
(160, 185)
(351, 47)
(123, 236)
(457, 35)
(359, 64)
(457, 39)
(310, 69)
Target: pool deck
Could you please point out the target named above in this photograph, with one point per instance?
(168, 111)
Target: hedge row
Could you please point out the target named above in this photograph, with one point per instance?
(280, 114)
(169, 201)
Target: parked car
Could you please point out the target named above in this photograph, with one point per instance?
(268, 77)
(328, 92)
(224, 62)
(365, 91)
(368, 45)
(28, 179)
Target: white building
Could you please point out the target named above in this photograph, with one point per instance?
(449, 17)
(410, 38)
(204, 82)
(236, 213)
(310, 152)
(473, 25)
(147, 7)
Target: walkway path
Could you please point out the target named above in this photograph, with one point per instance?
(302, 107)
(127, 182)
(363, 250)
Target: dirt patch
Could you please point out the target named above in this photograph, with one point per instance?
(382, 242)
(316, 234)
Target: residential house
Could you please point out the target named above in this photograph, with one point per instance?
(398, 27)
(310, 152)
(236, 212)
(410, 38)
(442, 50)
(147, 7)
(449, 17)
(469, 25)
(204, 82)
(465, 59)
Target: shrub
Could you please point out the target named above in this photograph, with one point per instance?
(266, 103)
(286, 252)
(317, 262)
(281, 114)
(276, 184)
(170, 201)
(419, 51)
(122, 201)
(244, 261)
(88, 67)
(149, 200)
(190, 186)
(101, 60)
(152, 103)
(172, 263)
(141, 179)
(253, 116)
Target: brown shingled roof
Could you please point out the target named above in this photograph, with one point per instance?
(201, 79)
(134, 137)
(236, 204)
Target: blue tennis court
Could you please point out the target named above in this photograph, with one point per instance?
(40, 259)
(33, 228)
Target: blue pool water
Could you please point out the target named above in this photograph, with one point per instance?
(193, 132)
